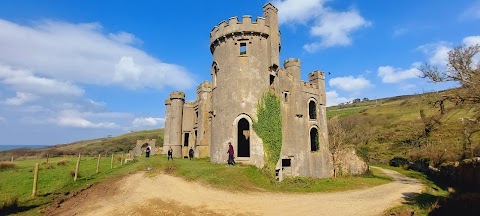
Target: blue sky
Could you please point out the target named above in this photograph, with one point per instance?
(74, 70)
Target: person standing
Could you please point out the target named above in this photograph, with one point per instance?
(231, 154)
(170, 154)
(147, 151)
(190, 153)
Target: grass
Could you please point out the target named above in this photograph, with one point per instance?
(423, 203)
(55, 182)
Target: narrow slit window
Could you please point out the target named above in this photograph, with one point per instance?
(243, 48)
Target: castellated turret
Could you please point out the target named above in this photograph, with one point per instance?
(173, 123)
(245, 66)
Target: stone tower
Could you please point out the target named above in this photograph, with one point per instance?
(245, 65)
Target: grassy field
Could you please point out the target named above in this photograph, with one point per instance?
(56, 183)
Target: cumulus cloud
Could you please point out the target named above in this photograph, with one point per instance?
(350, 83)
(471, 40)
(437, 52)
(81, 53)
(390, 74)
(73, 118)
(333, 28)
(148, 121)
(20, 99)
(334, 99)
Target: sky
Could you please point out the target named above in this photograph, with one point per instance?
(76, 70)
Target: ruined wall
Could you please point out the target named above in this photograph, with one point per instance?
(203, 121)
(348, 163)
(138, 150)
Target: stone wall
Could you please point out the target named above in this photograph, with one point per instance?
(348, 163)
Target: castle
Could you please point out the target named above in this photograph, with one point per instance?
(246, 65)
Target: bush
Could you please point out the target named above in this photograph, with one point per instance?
(62, 162)
(398, 162)
(7, 165)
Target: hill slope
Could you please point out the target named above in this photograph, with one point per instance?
(121, 143)
(406, 126)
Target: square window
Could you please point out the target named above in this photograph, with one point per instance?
(243, 48)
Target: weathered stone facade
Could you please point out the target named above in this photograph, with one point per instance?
(245, 66)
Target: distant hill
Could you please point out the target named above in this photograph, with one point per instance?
(121, 143)
(384, 128)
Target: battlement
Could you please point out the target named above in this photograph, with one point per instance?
(234, 27)
(291, 62)
(316, 75)
(205, 86)
(168, 101)
(177, 95)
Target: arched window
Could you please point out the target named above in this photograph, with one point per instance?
(312, 109)
(314, 145)
(214, 73)
(243, 138)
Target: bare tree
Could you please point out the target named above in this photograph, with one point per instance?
(337, 140)
(460, 68)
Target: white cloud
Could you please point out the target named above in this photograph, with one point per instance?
(25, 81)
(437, 52)
(349, 83)
(81, 53)
(333, 28)
(334, 99)
(298, 11)
(73, 118)
(399, 31)
(471, 40)
(390, 74)
(148, 121)
(20, 99)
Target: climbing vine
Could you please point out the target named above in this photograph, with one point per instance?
(268, 127)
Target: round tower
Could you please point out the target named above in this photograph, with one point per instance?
(242, 58)
(175, 117)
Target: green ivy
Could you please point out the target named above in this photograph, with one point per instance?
(268, 127)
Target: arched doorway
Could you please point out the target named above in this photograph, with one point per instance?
(314, 145)
(243, 138)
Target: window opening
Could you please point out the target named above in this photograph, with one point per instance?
(312, 110)
(243, 48)
(185, 141)
(285, 97)
(286, 162)
(314, 140)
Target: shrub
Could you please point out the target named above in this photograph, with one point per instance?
(398, 161)
(7, 165)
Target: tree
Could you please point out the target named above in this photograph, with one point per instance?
(460, 68)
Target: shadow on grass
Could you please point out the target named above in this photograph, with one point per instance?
(459, 204)
(16, 209)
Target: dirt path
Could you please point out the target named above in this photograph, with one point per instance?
(169, 195)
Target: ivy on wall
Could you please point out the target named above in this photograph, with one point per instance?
(268, 127)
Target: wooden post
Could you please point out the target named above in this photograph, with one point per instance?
(35, 179)
(111, 163)
(76, 168)
(47, 158)
(12, 159)
(121, 159)
(98, 161)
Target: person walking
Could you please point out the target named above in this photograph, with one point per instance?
(190, 153)
(231, 154)
(170, 154)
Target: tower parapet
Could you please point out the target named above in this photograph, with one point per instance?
(177, 95)
(205, 86)
(233, 28)
(291, 62)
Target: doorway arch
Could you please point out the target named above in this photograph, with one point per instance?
(242, 135)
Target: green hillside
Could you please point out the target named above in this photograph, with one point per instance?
(385, 128)
(121, 143)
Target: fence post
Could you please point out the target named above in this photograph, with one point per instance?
(12, 159)
(121, 159)
(111, 163)
(35, 179)
(47, 158)
(76, 168)
(98, 161)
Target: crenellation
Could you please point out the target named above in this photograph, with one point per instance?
(233, 20)
(177, 95)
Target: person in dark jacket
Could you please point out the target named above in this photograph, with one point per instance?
(231, 154)
(147, 151)
(190, 153)
(170, 154)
